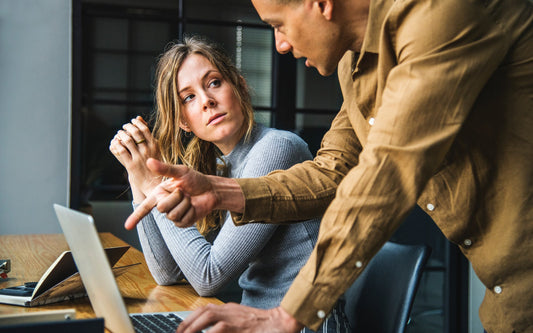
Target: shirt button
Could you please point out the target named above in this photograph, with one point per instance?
(321, 314)
(358, 264)
(430, 207)
(498, 290)
(467, 242)
(371, 121)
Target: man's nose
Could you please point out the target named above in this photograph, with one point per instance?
(282, 45)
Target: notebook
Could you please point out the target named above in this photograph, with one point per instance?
(97, 277)
(60, 282)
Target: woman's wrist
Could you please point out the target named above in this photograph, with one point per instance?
(144, 186)
(138, 196)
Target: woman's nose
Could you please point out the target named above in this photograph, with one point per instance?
(209, 102)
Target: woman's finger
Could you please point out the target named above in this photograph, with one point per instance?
(134, 132)
(127, 141)
(142, 126)
(117, 148)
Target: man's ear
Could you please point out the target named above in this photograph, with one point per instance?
(325, 7)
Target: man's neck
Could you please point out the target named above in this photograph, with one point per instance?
(353, 16)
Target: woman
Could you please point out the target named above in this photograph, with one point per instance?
(202, 99)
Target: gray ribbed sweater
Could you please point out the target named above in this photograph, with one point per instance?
(266, 256)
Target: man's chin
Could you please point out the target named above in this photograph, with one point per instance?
(322, 70)
(325, 71)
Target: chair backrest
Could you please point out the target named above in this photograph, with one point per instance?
(381, 298)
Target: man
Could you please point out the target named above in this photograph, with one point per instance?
(438, 110)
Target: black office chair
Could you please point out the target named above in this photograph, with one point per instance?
(380, 300)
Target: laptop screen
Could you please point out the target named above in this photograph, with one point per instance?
(93, 266)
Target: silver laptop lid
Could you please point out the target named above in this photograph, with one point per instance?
(94, 268)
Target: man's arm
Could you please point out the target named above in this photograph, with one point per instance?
(188, 196)
(305, 190)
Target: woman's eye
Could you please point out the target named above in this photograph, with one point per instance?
(187, 98)
(214, 83)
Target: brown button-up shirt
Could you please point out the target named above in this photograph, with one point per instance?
(438, 110)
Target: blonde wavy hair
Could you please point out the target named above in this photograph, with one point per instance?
(176, 145)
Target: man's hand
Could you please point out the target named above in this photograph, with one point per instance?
(232, 317)
(187, 196)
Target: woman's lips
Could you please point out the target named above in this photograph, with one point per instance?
(216, 119)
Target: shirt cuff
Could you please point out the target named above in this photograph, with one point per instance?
(308, 303)
(257, 201)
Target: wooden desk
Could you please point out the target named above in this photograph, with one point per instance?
(31, 255)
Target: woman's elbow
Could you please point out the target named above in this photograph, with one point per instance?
(206, 290)
(164, 281)
(205, 293)
(167, 279)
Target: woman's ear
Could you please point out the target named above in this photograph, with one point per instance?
(185, 126)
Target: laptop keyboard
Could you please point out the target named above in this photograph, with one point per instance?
(155, 323)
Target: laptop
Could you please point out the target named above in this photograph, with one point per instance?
(99, 281)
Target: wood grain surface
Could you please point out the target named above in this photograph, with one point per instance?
(31, 255)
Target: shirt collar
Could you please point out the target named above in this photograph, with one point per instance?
(379, 9)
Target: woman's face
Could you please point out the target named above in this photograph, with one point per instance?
(209, 108)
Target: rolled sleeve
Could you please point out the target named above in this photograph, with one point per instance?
(258, 196)
(305, 190)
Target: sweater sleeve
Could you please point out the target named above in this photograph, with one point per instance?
(162, 266)
(208, 267)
